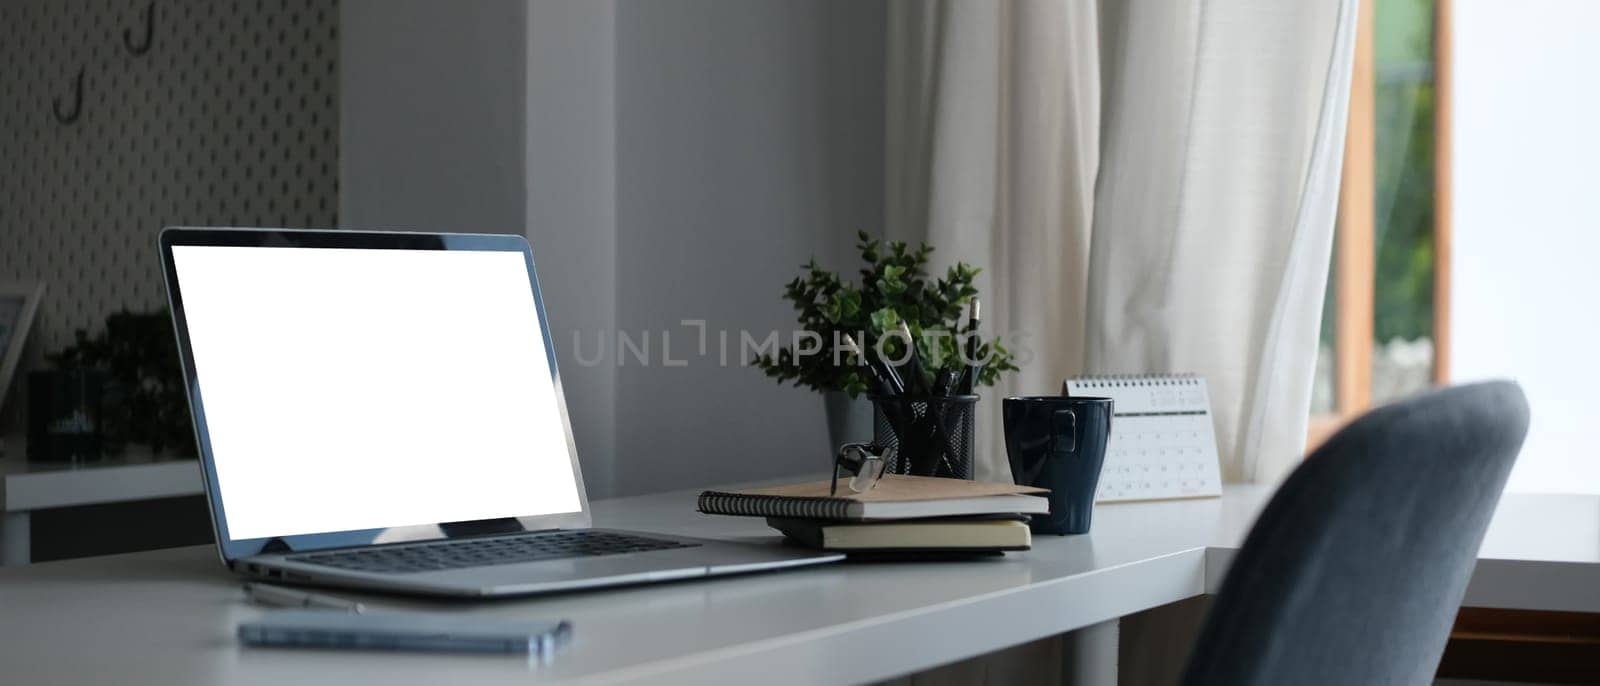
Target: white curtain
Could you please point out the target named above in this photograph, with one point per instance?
(1149, 186)
(992, 118)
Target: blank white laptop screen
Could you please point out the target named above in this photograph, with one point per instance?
(351, 389)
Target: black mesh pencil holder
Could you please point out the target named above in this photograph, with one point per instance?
(932, 435)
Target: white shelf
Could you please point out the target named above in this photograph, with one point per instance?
(26, 486)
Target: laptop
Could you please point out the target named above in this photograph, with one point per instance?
(383, 411)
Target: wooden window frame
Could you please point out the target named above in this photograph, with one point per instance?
(1355, 256)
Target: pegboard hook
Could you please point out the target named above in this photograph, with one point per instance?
(142, 47)
(67, 117)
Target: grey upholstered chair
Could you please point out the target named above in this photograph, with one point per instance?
(1353, 572)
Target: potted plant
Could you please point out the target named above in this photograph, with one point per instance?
(894, 287)
(119, 387)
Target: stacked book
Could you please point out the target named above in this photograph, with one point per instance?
(902, 515)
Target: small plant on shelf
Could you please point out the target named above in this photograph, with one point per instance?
(145, 401)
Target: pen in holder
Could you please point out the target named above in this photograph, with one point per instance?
(932, 436)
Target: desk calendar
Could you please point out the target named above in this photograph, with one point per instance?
(1162, 443)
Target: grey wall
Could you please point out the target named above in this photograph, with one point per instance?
(431, 115)
(669, 160)
(571, 206)
(749, 138)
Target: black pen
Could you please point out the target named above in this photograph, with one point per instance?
(892, 385)
(888, 385)
(891, 392)
(881, 384)
(896, 384)
(913, 362)
(969, 375)
(938, 406)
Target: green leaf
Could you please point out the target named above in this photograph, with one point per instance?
(885, 320)
(849, 305)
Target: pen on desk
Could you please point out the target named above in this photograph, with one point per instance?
(277, 596)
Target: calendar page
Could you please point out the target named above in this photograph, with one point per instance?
(1162, 441)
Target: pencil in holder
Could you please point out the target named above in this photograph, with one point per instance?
(932, 435)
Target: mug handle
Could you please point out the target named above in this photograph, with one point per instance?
(1064, 422)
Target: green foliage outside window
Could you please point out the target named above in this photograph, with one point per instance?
(1404, 100)
(1403, 183)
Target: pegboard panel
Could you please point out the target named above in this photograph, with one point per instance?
(230, 118)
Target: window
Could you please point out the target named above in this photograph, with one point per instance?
(1383, 330)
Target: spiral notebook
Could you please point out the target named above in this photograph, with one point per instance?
(1162, 441)
(897, 496)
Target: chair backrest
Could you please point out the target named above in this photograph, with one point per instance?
(1354, 571)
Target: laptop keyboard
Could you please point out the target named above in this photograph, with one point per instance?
(482, 552)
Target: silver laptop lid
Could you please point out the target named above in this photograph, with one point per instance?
(351, 388)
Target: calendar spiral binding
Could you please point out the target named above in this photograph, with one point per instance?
(1135, 380)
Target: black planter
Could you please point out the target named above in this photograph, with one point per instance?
(932, 435)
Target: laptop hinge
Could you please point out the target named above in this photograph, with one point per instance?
(482, 527)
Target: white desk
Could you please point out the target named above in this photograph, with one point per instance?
(168, 616)
(29, 486)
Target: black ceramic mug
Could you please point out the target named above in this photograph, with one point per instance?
(1058, 443)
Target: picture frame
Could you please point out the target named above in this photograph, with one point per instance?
(19, 304)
